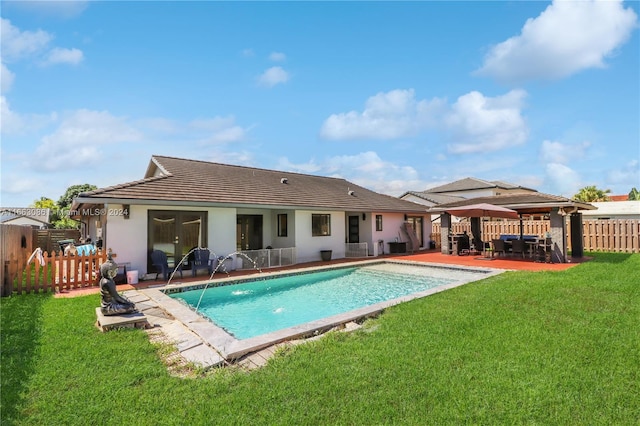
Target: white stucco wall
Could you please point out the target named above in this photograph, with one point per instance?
(308, 247)
(391, 231)
(290, 239)
(128, 237)
(613, 210)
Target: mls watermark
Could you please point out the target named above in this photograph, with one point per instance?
(99, 212)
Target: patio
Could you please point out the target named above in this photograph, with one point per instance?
(428, 256)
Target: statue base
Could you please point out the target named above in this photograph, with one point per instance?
(111, 322)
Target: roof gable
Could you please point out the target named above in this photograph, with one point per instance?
(36, 214)
(471, 183)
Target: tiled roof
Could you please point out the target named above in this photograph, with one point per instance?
(434, 198)
(624, 197)
(470, 183)
(177, 180)
(533, 201)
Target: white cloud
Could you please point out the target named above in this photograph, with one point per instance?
(12, 123)
(564, 180)
(389, 115)
(79, 140)
(628, 175)
(273, 76)
(240, 158)
(569, 36)
(366, 169)
(248, 53)
(277, 57)
(18, 44)
(556, 152)
(17, 183)
(6, 78)
(64, 56)
(218, 130)
(478, 123)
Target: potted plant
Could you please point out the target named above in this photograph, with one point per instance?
(325, 255)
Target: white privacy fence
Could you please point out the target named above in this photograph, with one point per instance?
(266, 258)
(356, 250)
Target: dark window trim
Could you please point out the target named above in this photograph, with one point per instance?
(282, 227)
(317, 223)
(378, 222)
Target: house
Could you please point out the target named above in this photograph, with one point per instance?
(614, 210)
(463, 189)
(180, 204)
(27, 216)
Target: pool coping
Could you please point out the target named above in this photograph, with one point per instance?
(230, 348)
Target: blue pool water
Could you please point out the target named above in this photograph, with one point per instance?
(253, 308)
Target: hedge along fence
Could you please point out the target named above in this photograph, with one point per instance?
(41, 271)
(613, 235)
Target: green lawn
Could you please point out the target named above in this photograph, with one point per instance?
(519, 348)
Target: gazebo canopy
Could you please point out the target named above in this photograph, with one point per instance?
(526, 203)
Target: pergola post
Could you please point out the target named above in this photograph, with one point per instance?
(558, 233)
(577, 238)
(445, 230)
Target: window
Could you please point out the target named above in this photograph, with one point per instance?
(282, 225)
(320, 225)
(378, 222)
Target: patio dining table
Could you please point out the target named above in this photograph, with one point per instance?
(532, 247)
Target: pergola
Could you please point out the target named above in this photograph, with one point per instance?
(532, 203)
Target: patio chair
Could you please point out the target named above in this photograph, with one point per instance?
(518, 248)
(498, 247)
(159, 261)
(201, 260)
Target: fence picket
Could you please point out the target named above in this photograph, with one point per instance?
(58, 273)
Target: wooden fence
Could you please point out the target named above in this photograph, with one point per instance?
(15, 240)
(21, 272)
(613, 235)
(47, 239)
(42, 271)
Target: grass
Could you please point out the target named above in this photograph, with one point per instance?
(519, 348)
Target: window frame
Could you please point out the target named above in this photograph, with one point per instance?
(319, 221)
(378, 222)
(283, 224)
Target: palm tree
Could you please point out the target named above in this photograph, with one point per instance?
(634, 194)
(591, 193)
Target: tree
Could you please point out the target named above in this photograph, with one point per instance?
(44, 203)
(48, 203)
(634, 194)
(590, 194)
(60, 211)
(72, 192)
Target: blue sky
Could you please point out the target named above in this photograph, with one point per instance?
(391, 96)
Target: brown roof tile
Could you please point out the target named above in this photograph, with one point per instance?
(194, 181)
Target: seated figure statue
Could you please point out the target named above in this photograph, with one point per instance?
(112, 303)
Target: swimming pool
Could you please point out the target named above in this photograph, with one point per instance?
(249, 309)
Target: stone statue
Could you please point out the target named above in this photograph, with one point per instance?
(112, 303)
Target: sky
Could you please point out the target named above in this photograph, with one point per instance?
(392, 96)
